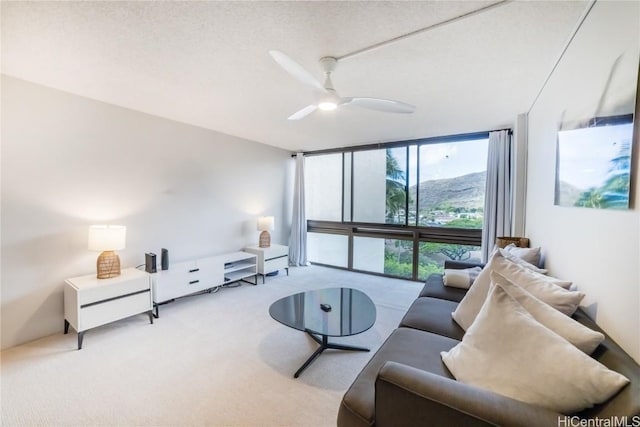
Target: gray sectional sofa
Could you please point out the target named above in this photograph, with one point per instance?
(406, 383)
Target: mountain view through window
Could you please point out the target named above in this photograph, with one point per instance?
(428, 193)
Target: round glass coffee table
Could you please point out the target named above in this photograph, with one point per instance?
(324, 313)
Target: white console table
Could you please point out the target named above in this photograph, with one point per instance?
(201, 275)
(273, 258)
(90, 302)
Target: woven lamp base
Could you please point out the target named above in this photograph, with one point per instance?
(108, 265)
(265, 239)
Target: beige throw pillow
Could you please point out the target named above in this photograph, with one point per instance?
(460, 278)
(583, 338)
(537, 284)
(508, 352)
(531, 255)
(520, 261)
(538, 276)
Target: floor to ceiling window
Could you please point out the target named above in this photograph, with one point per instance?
(399, 209)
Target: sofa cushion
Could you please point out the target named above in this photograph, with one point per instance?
(505, 338)
(517, 260)
(537, 284)
(460, 278)
(530, 255)
(433, 315)
(405, 345)
(609, 353)
(584, 338)
(434, 287)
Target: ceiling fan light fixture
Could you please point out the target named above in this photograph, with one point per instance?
(326, 97)
(327, 105)
(329, 101)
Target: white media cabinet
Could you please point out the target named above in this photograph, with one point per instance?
(201, 275)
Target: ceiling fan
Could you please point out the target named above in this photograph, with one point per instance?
(326, 97)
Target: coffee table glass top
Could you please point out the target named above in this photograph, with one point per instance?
(349, 311)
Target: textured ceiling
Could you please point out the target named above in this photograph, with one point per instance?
(207, 63)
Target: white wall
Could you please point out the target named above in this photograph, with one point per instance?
(597, 249)
(68, 162)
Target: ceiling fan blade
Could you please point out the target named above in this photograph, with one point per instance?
(378, 104)
(302, 113)
(295, 69)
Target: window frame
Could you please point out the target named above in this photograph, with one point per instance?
(415, 233)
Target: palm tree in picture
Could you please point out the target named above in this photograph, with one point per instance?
(613, 193)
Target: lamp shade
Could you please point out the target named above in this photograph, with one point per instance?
(107, 237)
(266, 223)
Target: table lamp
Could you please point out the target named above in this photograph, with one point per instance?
(108, 239)
(265, 224)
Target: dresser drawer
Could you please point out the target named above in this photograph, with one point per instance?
(169, 285)
(112, 288)
(184, 279)
(191, 271)
(181, 267)
(97, 314)
(275, 251)
(275, 264)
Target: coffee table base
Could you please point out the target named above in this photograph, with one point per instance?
(324, 345)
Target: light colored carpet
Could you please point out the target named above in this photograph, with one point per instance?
(213, 360)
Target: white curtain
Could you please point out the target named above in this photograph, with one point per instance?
(298, 238)
(497, 202)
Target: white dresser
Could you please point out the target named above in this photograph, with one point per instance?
(273, 258)
(90, 302)
(201, 275)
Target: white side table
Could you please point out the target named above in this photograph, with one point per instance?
(90, 302)
(273, 258)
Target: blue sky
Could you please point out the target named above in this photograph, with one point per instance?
(584, 154)
(445, 160)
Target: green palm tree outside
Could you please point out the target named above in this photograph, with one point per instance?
(396, 194)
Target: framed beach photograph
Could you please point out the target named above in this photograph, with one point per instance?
(593, 166)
